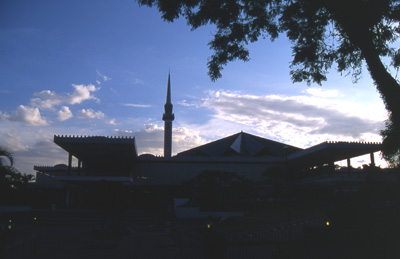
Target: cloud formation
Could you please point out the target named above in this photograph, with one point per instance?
(150, 139)
(136, 105)
(319, 92)
(138, 81)
(47, 99)
(295, 118)
(103, 76)
(91, 114)
(64, 114)
(31, 147)
(12, 140)
(28, 115)
(82, 93)
(111, 122)
(42, 152)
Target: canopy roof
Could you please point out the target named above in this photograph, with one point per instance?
(98, 147)
(329, 152)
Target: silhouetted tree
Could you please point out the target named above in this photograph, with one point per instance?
(6, 157)
(323, 32)
(391, 141)
(11, 179)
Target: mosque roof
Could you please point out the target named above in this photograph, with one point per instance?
(249, 146)
(241, 145)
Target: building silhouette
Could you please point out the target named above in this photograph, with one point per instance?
(114, 161)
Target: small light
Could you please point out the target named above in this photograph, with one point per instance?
(208, 226)
(34, 218)
(9, 221)
(328, 223)
(9, 227)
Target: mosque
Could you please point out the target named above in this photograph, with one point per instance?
(114, 161)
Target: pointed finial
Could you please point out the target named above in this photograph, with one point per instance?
(169, 88)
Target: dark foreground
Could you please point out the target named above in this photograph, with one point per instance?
(89, 234)
(278, 232)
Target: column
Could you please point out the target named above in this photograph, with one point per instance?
(372, 159)
(69, 163)
(79, 166)
(348, 165)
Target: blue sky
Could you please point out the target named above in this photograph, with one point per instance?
(101, 68)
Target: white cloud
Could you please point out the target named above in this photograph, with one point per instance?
(319, 92)
(4, 116)
(185, 138)
(47, 99)
(29, 116)
(102, 76)
(138, 81)
(186, 103)
(297, 120)
(64, 114)
(82, 93)
(91, 114)
(150, 139)
(111, 122)
(43, 153)
(136, 105)
(123, 133)
(12, 140)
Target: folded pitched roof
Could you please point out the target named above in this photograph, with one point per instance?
(242, 145)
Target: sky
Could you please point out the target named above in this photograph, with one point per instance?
(100, 68)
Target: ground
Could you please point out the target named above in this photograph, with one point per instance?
(88, 234)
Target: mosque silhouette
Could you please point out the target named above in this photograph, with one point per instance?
(114, 161)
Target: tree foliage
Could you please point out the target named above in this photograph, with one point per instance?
(326, 34)
(10, 177)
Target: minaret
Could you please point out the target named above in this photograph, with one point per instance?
(168, 117)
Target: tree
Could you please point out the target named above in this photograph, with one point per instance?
(10, 178)
(323, 33)
(5, 155)
(391, 143)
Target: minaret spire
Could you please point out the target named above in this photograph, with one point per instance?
(169, 90)
(168, 117)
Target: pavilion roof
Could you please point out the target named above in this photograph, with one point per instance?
(98, 147)
(331, 151)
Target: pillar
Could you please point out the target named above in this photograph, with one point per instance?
(69, 163)
(79, 166)
(348, 165)
(372, 159)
